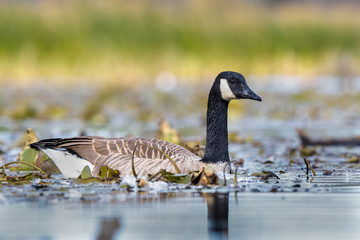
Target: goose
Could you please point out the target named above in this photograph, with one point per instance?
(150, 155)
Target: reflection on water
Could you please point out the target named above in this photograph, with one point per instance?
(185, 215)
(109, 226)
(218, 215)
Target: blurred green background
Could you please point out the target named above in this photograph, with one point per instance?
(108, 41)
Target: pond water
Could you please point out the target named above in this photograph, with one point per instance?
(292, 207)
(295, 206)
(187, 215)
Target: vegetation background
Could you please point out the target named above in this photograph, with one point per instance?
(87, 59)
(122, 41)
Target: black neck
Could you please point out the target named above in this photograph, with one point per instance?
(216, 149)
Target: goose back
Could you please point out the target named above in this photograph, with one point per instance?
(117, 153)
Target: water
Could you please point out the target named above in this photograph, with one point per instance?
(188, 215)
(296, 206)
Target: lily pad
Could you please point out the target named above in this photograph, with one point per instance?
(176, 178)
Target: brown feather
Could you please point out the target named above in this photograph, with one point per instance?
(116, 153)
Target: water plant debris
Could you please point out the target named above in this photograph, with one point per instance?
(308, 165)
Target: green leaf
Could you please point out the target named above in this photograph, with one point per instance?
(86, 181)
(29, 156)
(86, 172)
(113, 173)
(103, 172)
(176, 178)
(185, 180)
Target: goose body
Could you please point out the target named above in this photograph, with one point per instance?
(117, 153)
(150, 155)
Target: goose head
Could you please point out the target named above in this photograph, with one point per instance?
(232, 85)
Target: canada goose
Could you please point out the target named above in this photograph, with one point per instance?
(71, 155)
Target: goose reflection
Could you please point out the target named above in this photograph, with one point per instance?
(218, 215)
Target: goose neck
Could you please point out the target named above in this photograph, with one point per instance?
(216, 149)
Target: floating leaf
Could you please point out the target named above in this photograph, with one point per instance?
(268, 162)
(258, 174)
(195, 176)
(108, 174)
(103, 172)
(112, 174)
(23, 179)
(18, 182)
(265, 175)
(354, 159)
(269, 175)
(143, 183)
(87, 180)
(176, 178)
(185, 180)
(23, 163)
(85, 173)
(327, 173)
(206, 177)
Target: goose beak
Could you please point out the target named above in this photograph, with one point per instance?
(253, 96)
(247, 93)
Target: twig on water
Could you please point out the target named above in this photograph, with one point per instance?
(307, 168)
(226, 165)
(237, 166)
(25, 163)
(229, 164)
(161, 173)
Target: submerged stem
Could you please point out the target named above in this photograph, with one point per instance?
(25, 163)
(172, 161)
(307, 167)
(236, 182)
(132, 162)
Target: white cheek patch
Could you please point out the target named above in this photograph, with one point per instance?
(225, 90)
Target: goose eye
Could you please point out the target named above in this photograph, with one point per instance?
(232, 80)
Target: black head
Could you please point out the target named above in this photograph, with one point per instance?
(232, 85)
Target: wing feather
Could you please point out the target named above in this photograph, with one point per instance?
(117, 153)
